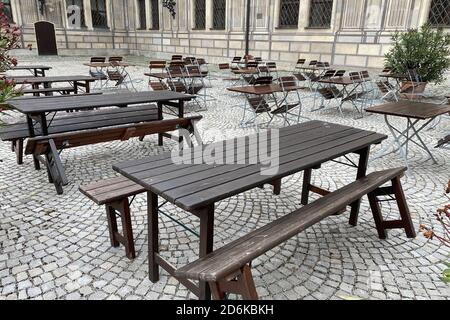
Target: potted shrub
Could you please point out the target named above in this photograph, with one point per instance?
(422, 55)
(9, 39)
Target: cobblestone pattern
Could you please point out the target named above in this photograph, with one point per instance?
(57, 247)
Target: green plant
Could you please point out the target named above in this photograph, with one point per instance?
(425, 50)
(9, 39)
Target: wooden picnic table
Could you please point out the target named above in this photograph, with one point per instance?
(196, 188)
(36, 70)
(414, 112)
(37, 109)
(76, 81)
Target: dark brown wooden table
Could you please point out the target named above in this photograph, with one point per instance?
(413, 112)
(75, 81)
(165, 75)
(36, 70)
(196, 188)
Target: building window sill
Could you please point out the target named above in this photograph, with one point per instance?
(318, 28)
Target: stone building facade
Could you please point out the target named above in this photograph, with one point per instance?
(344, 32)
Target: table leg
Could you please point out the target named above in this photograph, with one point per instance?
(206, 244)
(181, 109)
(306, 184)
(31, 132)
(153, 236)
(362, 170)
(160, 117)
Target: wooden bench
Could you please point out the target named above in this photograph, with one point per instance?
(49, 91)
(47, 148)
(115, 194)
(85, 120)
(228, 269)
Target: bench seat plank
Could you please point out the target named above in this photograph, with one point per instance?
(111, 190)
(86, 120)
(232, 257)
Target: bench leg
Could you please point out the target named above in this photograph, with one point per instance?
(127, 229)
(17, 147)
(377, 216)
(241, 284)
(307, 174)
(403, 208)
(276, 187)
(126, 238)
(153, 236)
(362, 170)
(112, 225)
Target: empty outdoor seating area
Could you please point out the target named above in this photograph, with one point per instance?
(308, 160)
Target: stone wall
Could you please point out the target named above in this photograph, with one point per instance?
(359, 34)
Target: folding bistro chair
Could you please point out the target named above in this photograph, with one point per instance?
(157, 65)
(236, 61)
(257, 104)
(194, 82)
(175, 81)
(413, 88)
(177, 57)
(229, 75)
(98, 72)
(289, 102)
(273, 70)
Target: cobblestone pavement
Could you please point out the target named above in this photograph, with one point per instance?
(57, 247)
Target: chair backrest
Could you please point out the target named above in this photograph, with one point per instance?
(237, 59)
(224, 66)
(98, 59)
(158, 86)
(265, 80)
(258, 59)
(320, 64)
(326, 64)
(177, 57)
(177, 63)
(201, 61)
(340, 73)
(365, 75)
(174, 71)
(301, 62)
(193, 70)
(252, 64)
(329, 74)
(387, 70)
(115, 59)
(263, 69)
(313, 62)
(287, 81)
(271, 65)
(157, 64)
(355, 76)
(190, 60)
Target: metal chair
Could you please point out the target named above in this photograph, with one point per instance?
(194, 82)
(98, 72)
(290, 101)
(258, 104)
(158, 65)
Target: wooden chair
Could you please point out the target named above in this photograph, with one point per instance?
(158, 65)
(177, 57)
(228, 270)
(115, 59)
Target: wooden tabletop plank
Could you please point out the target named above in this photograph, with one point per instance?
(209, 184)
(238, 186)
(263, 89)
(411, 109)
(74, 102)
(214, 175)
(341, 81)
(174, 192)
(151, 164)
(286, 141)
(30, 67)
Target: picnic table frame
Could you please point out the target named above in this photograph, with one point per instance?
(75, 81)
(38, 110)
(414, 112)
(317, 142)
(36, 70)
